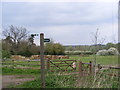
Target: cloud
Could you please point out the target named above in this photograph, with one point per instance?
(46, 14)
(77, 34)
(59, 0)
(67, 23)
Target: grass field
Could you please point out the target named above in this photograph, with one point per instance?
(54, 80)
(103, 60)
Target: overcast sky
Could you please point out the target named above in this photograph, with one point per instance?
(69, 23)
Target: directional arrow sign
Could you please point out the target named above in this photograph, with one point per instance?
(46, 40)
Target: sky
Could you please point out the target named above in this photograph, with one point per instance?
(68, 23)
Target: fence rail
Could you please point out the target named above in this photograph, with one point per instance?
(63, 65)
(60, 65)
(18, 64)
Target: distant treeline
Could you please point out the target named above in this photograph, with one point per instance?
(88, 49)
(18, 41)
(79, 52)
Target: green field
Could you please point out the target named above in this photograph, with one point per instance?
(103, 60)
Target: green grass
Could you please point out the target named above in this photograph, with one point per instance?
(11, 71)
(103, 60)
(22, 61)
(52, 81)
(72, 81)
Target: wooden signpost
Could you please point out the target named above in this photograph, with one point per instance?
(42, 60)
(42, 40)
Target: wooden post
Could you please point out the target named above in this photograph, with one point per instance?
(42, 60)
(13, 63)
(90, 68)
(99, 67)
(80, 68)
(48, 64)
(93, 68)
(76, 65)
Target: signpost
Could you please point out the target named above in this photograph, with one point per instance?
(46, 40)
(42, 60)
(42, 40)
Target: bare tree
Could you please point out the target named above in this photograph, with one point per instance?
(97, 40)
(16, 34)
(13, 37)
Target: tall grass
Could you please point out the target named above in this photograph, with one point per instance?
(57, 80)
(98, 81)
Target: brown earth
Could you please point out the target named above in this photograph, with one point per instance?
(8, 80)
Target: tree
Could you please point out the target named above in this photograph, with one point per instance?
(109, 45)
(31, 39)
(97, 41)
(13, 37)
(58, 49)
(16, 34)
(54, 49)
(49, 48)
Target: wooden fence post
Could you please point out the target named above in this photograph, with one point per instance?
(80, 68)
(76, 64)
(93, 68)
(99, 67)
(48, 64)
(13, 63)
(90, 68)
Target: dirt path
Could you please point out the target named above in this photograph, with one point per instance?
(8, 80)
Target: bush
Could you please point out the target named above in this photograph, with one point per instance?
(25, 53)
(54, 49)
(5, 54)
(102, 52)
(111, 51)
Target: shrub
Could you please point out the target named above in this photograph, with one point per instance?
(102, 52)
(111, 51)
(54, 49)
(5, 54)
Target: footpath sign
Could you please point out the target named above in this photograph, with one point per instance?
(46, 40)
